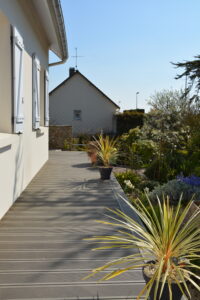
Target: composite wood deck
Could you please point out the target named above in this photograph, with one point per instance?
(42, 252)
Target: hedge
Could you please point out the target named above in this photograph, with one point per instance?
(129, 119)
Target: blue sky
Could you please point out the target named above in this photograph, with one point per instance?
(127, 45)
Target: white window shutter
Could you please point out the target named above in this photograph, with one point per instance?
(18, 102)
(46, 116)
(36, 92)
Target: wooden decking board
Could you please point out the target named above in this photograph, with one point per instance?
(42, 252)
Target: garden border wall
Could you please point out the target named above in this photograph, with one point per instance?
(60, 136)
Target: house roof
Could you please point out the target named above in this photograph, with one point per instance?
(79, 73)
(47, 20)
(51, 17)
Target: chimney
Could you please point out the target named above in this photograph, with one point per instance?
(72, 71)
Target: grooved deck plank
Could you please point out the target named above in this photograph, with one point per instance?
(42, 252)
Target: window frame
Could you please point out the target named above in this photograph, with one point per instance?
(75, 117)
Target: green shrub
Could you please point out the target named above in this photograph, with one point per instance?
(128, 176)
(129, 119)
(135, 185)
(80, 148)
(83, 138)
(159, 170)
(174, 188)
(135, 151)
(125, 154)
(194, 162)
(196, 171)
(144, 151)
(67, 146)
(130, 137)
(147, 185)
(171, 164)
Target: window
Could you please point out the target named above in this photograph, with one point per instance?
(36, 92)
(46, 90)
(44, 97)
(77, 114)
(18, 49)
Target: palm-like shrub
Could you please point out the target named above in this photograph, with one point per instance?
(106, 150)
(173, 243)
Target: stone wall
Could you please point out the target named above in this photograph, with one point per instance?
(60, 137)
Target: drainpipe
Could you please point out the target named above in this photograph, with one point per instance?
(58, 62)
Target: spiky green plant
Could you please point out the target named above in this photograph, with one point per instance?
(165, 236)
(106, 150)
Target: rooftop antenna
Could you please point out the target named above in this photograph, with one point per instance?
(76, 56)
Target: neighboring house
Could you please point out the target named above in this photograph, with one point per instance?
(79, 103)
(28, 30)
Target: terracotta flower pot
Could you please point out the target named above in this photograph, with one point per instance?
(176, 292)
(92, 152)
(105, 172)
(93, 158)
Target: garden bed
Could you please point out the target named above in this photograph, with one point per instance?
(133, 182)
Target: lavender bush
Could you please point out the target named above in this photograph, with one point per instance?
(187, 186)
(191, 180)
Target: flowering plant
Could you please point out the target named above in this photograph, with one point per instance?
(191, 180)
(129, 184)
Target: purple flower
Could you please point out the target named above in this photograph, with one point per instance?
(191, 180)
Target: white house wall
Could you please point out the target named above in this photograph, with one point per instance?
(21, 155)
(97, 112)
(5, 76)
(20, 14)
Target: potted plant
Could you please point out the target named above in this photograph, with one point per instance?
(92, 152)
(106, 155)
(169, 248)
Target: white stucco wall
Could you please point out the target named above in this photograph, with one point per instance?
(20, 14)
(78, 94)
(21, 155)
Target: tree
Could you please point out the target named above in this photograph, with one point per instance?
(192, 74)
(165, 125)
(169, 101)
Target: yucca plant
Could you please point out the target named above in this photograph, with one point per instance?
(106, 150)
(165, 236)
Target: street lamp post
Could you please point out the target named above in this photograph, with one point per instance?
(137, 99)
